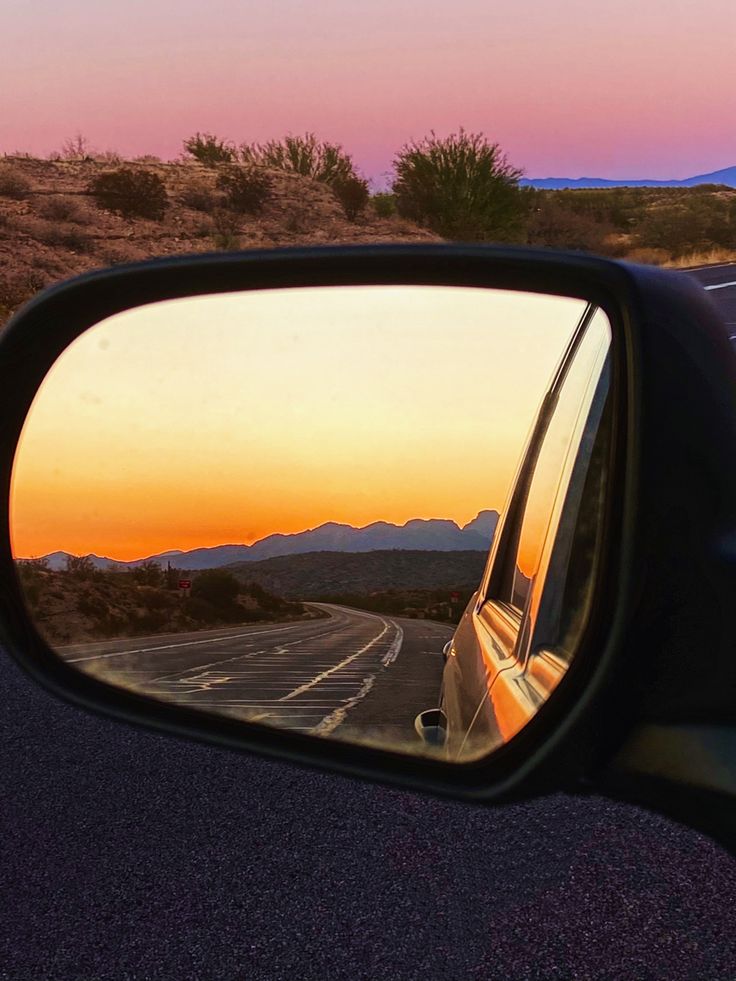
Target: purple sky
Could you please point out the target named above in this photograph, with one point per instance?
(635, 88)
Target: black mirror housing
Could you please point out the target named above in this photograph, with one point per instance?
(658, 649)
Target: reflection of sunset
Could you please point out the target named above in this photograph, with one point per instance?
(223, 419)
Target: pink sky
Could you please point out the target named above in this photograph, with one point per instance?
(568, 88)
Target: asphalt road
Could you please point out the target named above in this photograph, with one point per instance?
(129, 856)
(308, 676)
(720, 281)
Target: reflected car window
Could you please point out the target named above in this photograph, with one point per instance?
(567, 588)
(565, 452)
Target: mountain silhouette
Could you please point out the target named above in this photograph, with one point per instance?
(419, 534)
(727, 176)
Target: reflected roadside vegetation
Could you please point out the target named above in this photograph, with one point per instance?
(278, 506)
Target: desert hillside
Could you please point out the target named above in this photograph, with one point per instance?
(52, 228)
(52, 225)
(82, 603)
(314, 575)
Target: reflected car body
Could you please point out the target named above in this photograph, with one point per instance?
(515, 640)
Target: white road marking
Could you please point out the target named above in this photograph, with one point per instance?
(276, 668)
(337, 716)
(188, 643)
(325, 674)
(393, 652)
(237, 657)
(720, 286)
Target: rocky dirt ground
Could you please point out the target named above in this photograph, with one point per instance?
(51, 228)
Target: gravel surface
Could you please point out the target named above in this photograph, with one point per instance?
(127, 855)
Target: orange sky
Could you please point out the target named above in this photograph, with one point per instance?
(222, 419)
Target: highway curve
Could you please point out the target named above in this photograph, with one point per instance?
(308, 675)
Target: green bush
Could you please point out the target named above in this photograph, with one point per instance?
(384, 205)
(461, 187)
(217, 587)
(131, 193)
(209, 150)
(305, 155)
(152, 621)
(148, 573)
(92, 606)
(201, 610)
(156, 598)
(353, 195)
(553, 223)
(112, 625)
(695, 223)
(246, 189)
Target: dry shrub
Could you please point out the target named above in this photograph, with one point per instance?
(65, 235)
(246, 189)
(62, 208)
(552, 222)
(384, 205)
(706, 257)
(648, 257)
(13, 183)
(298, 219)
(130, 193)
(209, 150)
(77, 148)
(110, 157)
(200, 197)
(16, 289)
(353, 195)
(305, 155)
(225, 230)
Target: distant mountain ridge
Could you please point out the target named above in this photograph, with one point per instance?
(726, 176)
(419, 534)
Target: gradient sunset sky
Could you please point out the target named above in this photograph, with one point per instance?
(636, 88)
(224, 419)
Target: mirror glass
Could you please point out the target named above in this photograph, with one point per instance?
(363, 513)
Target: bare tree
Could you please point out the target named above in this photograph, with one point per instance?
(77, 148)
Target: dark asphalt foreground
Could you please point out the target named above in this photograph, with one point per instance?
(127, 856)
(134, 857)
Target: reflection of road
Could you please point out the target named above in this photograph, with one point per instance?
(310, 676)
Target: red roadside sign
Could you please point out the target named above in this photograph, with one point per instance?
(185, 584)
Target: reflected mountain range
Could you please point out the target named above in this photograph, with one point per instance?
(433, 534)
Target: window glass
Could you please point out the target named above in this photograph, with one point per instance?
(565, 441)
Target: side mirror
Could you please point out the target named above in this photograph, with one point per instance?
(239, 511)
